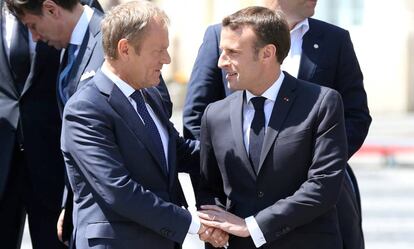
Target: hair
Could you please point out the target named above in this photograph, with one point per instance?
(129, 21)
(269, 26)
(20, 7)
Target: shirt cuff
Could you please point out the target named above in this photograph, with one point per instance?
(195, 223)
(255, 232)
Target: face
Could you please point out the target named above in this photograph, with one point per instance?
(145, 65)
(46, 28)
(239, 59)
(295, 10)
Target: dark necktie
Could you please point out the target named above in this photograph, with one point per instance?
(20, 55)
(150, 125)
(257, 131)
(64, 74)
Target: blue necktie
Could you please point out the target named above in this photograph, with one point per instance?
(20, 55)
(257, 131)
(150, 126)
(64, 74)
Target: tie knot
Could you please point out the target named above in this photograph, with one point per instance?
(258, 103)
(137, 97)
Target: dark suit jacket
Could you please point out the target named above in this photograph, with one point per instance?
(332, 64)
(300, 175)
(35, 110)
(122, 198)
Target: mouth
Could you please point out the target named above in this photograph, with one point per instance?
(231, 74)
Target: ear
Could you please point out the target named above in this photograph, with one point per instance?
(269, 53)
(50, 8)
(124, 49)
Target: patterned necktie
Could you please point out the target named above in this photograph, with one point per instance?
(257, 131)
(20, 55)
(64, 74)
(151, 127)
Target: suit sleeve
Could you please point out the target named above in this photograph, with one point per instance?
(89, 145)
(205, 85)
(320, 191)
(349, 83)
(210, 189)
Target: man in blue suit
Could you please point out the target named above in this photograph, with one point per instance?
(121, 152)
(321, 53)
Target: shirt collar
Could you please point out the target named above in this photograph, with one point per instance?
(271, 92)
(81, 27)
(301, 28)
(125, 88)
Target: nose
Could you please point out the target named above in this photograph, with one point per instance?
(166, 59)
(223, 60)
(35, 36)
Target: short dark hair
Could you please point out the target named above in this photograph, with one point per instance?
(20, 7)
(269, 26)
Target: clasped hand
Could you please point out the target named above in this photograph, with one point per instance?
(218, 224)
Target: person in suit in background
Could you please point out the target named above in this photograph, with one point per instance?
(121, 152)
(320, 53)
(74, 28)
(256, 185)
(31, 163)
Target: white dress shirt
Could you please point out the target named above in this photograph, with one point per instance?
(127, 90)
(248, 113)
(292, 60)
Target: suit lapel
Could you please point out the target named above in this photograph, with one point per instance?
(33, 66)
(283, 103)
(311, 49)
(123, 107)
(236, 120)
(85, 52)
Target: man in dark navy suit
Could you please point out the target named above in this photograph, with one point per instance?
(321, 53)
(31, 164)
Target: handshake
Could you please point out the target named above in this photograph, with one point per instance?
(217, 224)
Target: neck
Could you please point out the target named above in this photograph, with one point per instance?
(72, 17)
(269, 79)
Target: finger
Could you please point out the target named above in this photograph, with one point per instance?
(211, 223)
(208, 215)
(212, 207)
(206, 234)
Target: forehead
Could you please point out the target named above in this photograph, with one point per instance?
(237, 38)
(156, 34)
(28, 18)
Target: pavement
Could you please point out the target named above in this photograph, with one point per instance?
(384, 167)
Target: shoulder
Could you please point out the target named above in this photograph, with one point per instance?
(326, 28)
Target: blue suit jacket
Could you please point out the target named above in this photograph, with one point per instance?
(291, 197)
(122, 197)
(333, 64)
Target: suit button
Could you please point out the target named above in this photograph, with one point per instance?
(260, 194)
(21, 147)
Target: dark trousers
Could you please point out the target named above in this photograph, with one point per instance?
(19, 200)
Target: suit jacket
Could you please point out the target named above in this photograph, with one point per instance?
(122, 198)
(35, 112)
(292, 197)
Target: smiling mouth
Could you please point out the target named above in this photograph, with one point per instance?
(231, 74)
